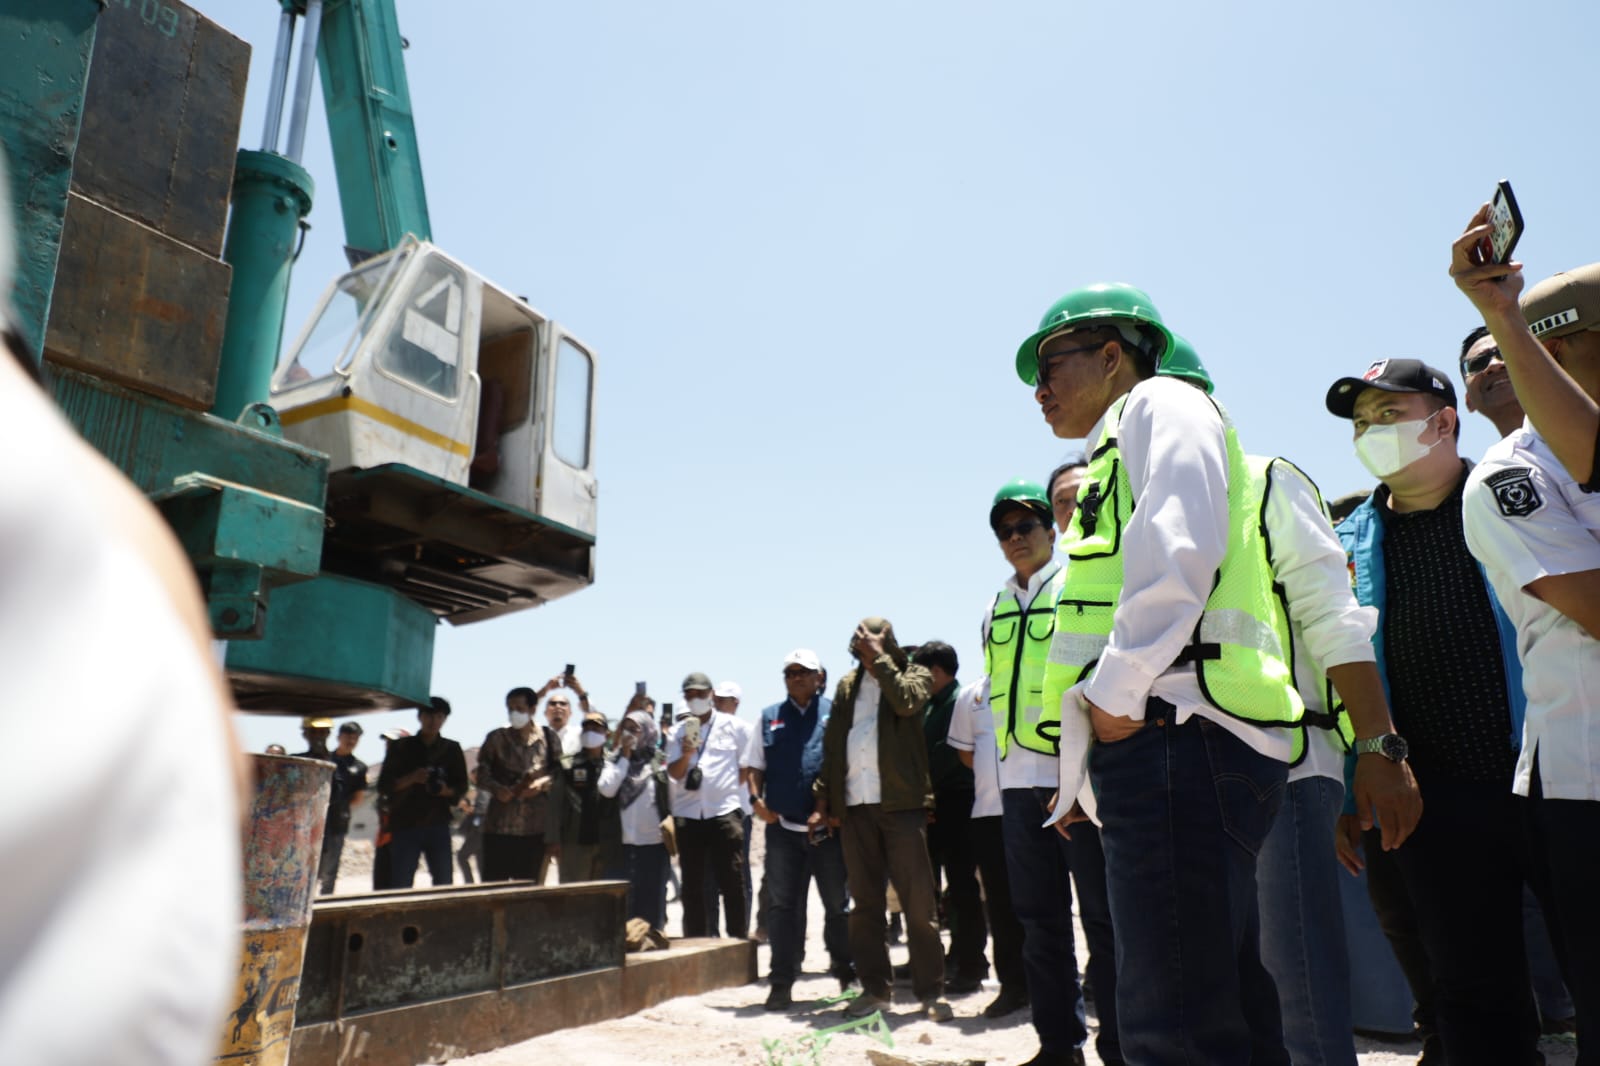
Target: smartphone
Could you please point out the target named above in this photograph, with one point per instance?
(691, 729)
(569, 670)
(638, 688)
(1505, 221)
(666, 711)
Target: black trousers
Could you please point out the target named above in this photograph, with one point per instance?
(1563, 843)
(1464, 872)
(712, 850)
(988, 840)
(1392, 904)
(955, 860)
(511, 858)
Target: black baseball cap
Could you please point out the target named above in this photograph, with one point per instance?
(1391, 375)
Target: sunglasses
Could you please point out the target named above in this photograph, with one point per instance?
(1479, 363)
(1022, 528)
(798, 671)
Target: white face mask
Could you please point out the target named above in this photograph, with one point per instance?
(700, 706)
(519, 719)
(593, 740)
(1386, 450)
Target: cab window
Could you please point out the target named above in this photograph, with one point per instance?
(424, 348)
(570, 425)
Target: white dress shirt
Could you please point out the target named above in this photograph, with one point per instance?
(721, 749)
(1525, 518)
(1328, 626)
(861, 781)
(1174, 448)
(1022, 768)
(972, 729)
(641, 822)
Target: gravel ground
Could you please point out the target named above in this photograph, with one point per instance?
(729, 1025)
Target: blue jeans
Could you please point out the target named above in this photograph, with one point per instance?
(646, 866)
(1184, 810)
(1302, 924)
(408, 845)
(791, 863)
(1039, 865)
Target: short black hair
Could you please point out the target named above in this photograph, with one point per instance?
(438, 703)
(937, 653)
(1477, 334)
(1080, 463)
(529, 696)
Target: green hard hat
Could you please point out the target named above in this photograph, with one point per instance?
(1181, 361)
(1020, 492)
(1106, 302)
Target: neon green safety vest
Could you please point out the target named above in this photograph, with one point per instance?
(1334, 716)
(1014, 653)
(1241, 646)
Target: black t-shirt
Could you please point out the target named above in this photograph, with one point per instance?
(1447, 677)
(349, 777)
(411, 808)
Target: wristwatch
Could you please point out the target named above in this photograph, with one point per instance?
(1391, 746)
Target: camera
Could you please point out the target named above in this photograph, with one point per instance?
(436, 780)
(693, 778)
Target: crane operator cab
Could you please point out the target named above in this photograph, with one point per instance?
(458, 422)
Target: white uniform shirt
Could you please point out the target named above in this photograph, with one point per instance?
(641, 822)
(722, 745)
(972, 729)
(1525, 518)
(1022, 768)
(861, 781)
(1329, 627)
(119, 935)
(1173, 445)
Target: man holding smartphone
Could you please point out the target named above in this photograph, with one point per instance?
(704, 753)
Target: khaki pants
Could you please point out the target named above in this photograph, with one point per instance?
(883, 847)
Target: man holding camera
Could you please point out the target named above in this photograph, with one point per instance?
(422, 777)
(704, 754)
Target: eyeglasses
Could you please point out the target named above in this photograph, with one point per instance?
(1047, 361)
(1022, 528)
(1479, 363)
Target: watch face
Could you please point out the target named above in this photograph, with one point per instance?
(1394, 747)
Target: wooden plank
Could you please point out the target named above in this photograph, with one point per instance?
(136, 307)
(161, 119)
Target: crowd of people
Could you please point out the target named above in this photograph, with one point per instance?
(1199, 699)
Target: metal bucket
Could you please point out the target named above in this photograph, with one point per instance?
(280, 878)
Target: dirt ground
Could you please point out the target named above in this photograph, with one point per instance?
(729, 1025)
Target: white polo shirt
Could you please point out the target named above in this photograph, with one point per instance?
(861, 781)
(972, 729)
(1525, 518)
(722, 745)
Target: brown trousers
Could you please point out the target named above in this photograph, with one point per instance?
(882, 847)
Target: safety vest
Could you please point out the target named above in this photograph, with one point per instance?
(1241, 644)
(1015, 651)
(1333, 716)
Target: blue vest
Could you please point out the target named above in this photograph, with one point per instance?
(793, 742)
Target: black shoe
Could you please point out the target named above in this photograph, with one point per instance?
(960, 986)
(1008, 1001)
(1055, 1058)
(779, 998)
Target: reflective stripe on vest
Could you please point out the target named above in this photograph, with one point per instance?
(1014, 655)
(1241, 646)
(1333, 717)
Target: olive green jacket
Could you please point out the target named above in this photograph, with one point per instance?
(902, 750)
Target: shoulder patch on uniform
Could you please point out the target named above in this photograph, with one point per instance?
(1514, 492)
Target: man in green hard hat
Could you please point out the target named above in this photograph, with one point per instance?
(1017, 632)
(1336, 675)
(1175, 695)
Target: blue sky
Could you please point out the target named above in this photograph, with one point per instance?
(805, 241)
